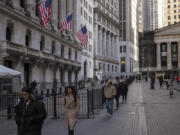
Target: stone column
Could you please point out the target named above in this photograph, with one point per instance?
(54, 13)
(107, 42)
(69, 7)
(62, 9)
(158, 56)
(169, 60)
(96, 39)
(179, 55)
(113, 46)
(104, 44)
(101, 43)
(109, 45)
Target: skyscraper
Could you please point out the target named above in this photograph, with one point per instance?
(171, 12)
(106, 31)
(153, 14)
(128, 34)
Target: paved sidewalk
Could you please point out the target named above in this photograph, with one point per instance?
(147, 112)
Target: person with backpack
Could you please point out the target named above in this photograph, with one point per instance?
(29, 114)
(71, 105)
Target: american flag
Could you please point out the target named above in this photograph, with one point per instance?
(83, 35)
(66, 24)
(45, 12)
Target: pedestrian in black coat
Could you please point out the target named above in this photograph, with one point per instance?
(30, 114)
(124, 91)
(118, 87)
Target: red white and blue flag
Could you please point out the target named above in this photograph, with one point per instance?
(83, 35)
(45, 12)
(66, 24)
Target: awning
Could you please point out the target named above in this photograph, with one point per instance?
(7, 72)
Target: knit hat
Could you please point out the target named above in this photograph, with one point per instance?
(28, 90)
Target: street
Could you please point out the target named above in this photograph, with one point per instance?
(147, 112)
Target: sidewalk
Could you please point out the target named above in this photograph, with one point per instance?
(147, 112)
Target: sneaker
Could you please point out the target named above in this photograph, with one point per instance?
(108, 115)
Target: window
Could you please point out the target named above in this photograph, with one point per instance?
(169, 17)
(120, 49)
(62, 51)
(9, 30)
(174, 6)
(28, 37)
(37, 8)
(124, 49)
(53, 47)
(175, 17)
(169, 1)
(169, 23)
(22, 3)
(169, 6)
(108, 67)
(112, 68)
(42, 43)
(75, 55)
(69, 53)
(123, 64)
(174, 11)
(81, 11)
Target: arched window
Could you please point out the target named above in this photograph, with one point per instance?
(42, 43)
(28, 37)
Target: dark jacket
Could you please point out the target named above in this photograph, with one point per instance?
(124, 89)
(118, 88)
(30, 119)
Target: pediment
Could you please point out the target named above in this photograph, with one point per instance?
(169, 30)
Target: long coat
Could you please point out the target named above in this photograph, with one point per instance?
(30, 118)
(124, 89)
(70, 109)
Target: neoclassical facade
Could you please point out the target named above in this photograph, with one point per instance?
(106, 25)
(41, 54)
(167, 42)
(166, 51)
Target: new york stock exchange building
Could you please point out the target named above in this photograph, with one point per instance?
(160, 51)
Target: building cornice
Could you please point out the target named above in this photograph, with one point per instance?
(106, 8)
(106, 16)
(33, 24)
(109, 60)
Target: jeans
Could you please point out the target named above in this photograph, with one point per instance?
(109, 105)
(117, 100)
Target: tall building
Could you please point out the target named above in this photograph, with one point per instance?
(171, 12)
(106, 35)
(83, 15)
(128, 34)
(41, 54)
(153, 14)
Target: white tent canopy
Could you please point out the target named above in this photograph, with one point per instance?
(7, 72)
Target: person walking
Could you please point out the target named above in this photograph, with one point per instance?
(29, 114)
(109, 93)
(124, 91)
(118, 94)
(71, 105)
(161, 81)
(171, 87)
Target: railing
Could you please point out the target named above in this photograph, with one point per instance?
(90, 99)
